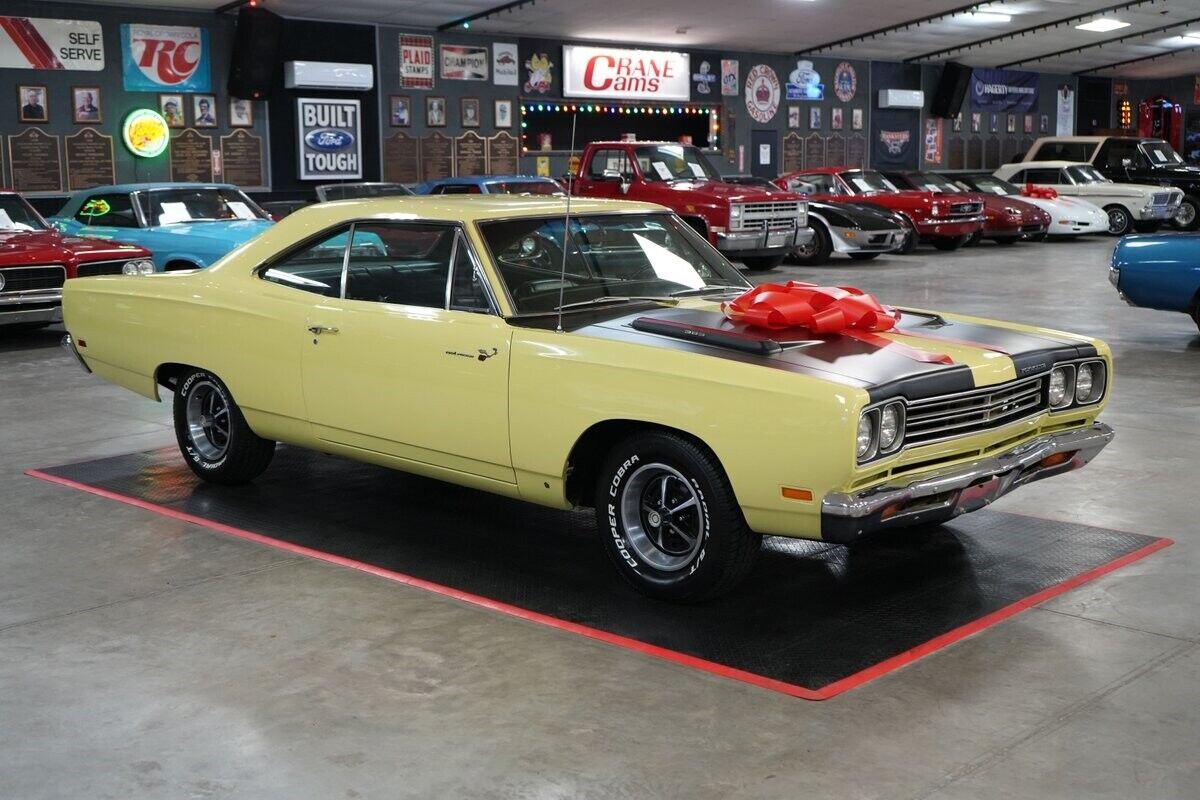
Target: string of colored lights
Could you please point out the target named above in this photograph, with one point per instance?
(713, 112)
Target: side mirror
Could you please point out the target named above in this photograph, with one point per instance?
(611, 175)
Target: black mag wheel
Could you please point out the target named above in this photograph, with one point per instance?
(817, 250)
(669, 519)
(213, 436)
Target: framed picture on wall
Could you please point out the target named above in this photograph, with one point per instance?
(31, 101)
(956, 126)
(976, 121)
(1028, 123)
(241, 113)
(814, 118)
(856, 119)
(835, 119)
(793, 116)
(1011, 125)
(171, 108)
(435, 112)
(995, 128)
(399, 111)
(1044, 126)
(85, 105)
(204, 111)
(503, 113)
(469, 109)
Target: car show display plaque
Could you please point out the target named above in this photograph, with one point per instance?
(856, 151)
(34, 159)
(89, 160)
(835, 150)
(242, 156)
(502, 154)
(814, 151)
(191, 157)
(793, 153)
(470, 156)
(437, 158)
(401, 159)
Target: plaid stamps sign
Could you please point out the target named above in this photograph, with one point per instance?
(416, 61)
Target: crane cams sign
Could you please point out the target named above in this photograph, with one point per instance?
(617, 73)
(160, 57)
(330, 138)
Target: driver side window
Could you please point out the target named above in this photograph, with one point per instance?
(610, 160)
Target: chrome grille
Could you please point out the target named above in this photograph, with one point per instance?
(1161, 199)
(970, 412)
(965, 209)
(99, 268)
(24, 279)
(776, 216)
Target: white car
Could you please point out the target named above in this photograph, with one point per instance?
(1069, 216)
(1129, 205)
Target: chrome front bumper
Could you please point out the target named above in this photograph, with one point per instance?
(68, 344)
(764, 241)
(14, 307)
(945, 494)
(1158, 212)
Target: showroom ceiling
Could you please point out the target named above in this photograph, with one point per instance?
(1158, 38)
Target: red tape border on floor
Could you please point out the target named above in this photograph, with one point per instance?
(824, 693)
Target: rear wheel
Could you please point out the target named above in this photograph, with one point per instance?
(974, 239)
(669, 519)
(1187, 218)
(762, 263)
(863, 256)
(213, 436)
(949, 243)
(1120, 221)
(817, 250)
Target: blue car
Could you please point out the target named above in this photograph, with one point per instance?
(491, 184)
(185, 225)
(1159, 271)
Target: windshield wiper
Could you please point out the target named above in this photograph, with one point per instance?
(706, 289)
(600, 301)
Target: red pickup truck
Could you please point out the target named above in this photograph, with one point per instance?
(747, 224)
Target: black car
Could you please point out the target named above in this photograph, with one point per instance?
(1130, 159)
(859, 230)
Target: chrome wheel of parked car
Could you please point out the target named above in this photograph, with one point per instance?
(669, 519)
(1119, 221)
(1188, 215)
(816, 250)
(213, 436)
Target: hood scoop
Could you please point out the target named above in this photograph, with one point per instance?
(703, 327)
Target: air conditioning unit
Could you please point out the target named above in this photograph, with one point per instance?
(901, 98)
(328, 75)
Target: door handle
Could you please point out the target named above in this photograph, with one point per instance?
(317, 330)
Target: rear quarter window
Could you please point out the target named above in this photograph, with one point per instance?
(1062, 151)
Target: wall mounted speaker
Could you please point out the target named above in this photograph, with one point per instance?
(951, 90)
(255, 60)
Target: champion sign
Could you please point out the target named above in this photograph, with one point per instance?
(158, 57)
(617, 73)
(329, 143)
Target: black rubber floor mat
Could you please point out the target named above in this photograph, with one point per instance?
(812, 620)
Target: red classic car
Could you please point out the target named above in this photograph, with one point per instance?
(1005, 219)
(35, 261)
(946, 221)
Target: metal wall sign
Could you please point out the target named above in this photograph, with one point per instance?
(31, 43)
(1003, 90)
(156, 58)
(416, 61)
(617, 73)
(329, 138)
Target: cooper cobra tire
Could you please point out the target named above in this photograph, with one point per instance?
(817, 251)
(669, 520)
(213, 436)
(863, 256)
(1120, 221)
(1187, 218)
(763, 263)
(949, 243)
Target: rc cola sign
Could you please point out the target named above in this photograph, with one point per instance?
(330, 138)
(160, 58)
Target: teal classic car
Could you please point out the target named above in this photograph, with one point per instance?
(185, 225)
(1159, 271)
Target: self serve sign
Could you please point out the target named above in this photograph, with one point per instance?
(330, 138)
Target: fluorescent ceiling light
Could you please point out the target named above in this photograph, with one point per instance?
(1102, 25)
(1191, 35)
(983, 17)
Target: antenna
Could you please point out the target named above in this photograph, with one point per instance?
(562, 275)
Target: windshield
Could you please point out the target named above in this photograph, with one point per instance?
(987, 183)
(613, 255)
(1085, 173)
(1161, 153)
(868, 180)
(670, 162)
(934, 183)
(357, 191)
(546, 187)
(169, 206)
(17, 215)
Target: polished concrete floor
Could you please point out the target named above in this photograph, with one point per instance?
(143, 657)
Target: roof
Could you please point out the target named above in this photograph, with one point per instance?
(1046, 164)
(122, 188)
(480, 180)
(467, 208)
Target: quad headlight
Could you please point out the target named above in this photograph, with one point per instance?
(1090, 379)
(866, 435)
(880, 431)
(891, 426)
(1060, 386)
(139, 266)
(1078, 384)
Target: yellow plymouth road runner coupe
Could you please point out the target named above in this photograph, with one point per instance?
(452, 338)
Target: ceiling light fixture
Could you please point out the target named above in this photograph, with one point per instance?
(984, 17)
(1191, 35)
(1103, 25)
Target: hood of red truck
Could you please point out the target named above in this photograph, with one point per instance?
(707, 190)
(25, 248)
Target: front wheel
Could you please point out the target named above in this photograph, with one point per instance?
(974, 239)
(213, 436)
(949, 243)
(817, 250)
(911, 237)
(1120, 222)
(669, 519)
(762, 263)
(1187, 218)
